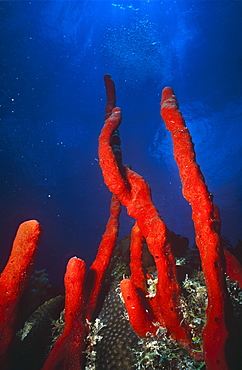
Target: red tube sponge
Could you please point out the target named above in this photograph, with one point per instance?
(103, 257)
(67, 351)
(206, 220)
(14, 279)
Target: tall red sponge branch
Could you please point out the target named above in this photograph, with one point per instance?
(67, 351)
(13, 280)
(103, 257)
(111, 95)
(206, 220)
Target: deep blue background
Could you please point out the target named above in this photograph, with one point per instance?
(53, 58)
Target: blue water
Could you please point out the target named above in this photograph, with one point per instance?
(53, 58)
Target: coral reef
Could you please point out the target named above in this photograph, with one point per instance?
(148, 303)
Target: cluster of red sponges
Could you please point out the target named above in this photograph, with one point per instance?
(134, 193)
(145, 313)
